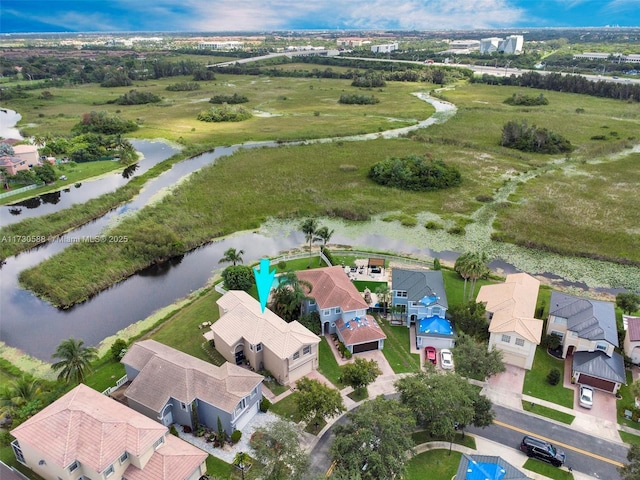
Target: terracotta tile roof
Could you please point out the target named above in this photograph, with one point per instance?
(633, 328)
(169, 373)
(175, 460)
(513, 305)
(89, 427)
(360, 330)
(332, 288)
(244, 319)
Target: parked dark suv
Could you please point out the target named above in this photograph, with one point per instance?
(542, 450)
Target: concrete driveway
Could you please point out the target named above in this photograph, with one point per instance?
(604, 405)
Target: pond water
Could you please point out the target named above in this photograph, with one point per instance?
(8, 121)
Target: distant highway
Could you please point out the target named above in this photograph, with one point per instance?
(477, 69)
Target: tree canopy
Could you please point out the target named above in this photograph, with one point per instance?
(373, 443)
(277, 447)
(415, 173)
(317, 400)
(238, 277)
(75, 360)
(470, 318)
(628, 302)
(474, 361)
(631, 471)
(360, 373)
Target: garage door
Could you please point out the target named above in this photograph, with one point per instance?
(300, 371)
(365, 347)
(514, 359)
(599, 383)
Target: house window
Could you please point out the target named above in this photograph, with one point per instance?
(312, 302)
(158, 443)
(326, 312)
(435, 311)
(183, 406)
(601, 346)
(559, 334)
(259, 347)
(336, 310)
(520, 342)
(306, 350)
(401, 293)
(73, 466)
(254, 392)
(506, 338)
(240, 407)
(296, 355)
(108, 472)
(251, 347)
(17, 451)
(560, 321)
(123, 457)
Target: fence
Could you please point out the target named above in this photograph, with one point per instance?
(118, 384)
(18, 190)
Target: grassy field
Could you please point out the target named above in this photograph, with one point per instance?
(535, 380)
(328, 366)
(547, 470)
(423, 437)
(397, 349)
(629, 438)
(440, 465)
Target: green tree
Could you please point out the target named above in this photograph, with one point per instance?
(631, 471)
(373, 443)
(323, 234)
(477, 268)
(118, 349)
(75, 360)
(317, 400)
(238, 277)
(45, 173)
(287, 298)
(470, 318)
(442, 402)
(384, 295)
(18, 393)
(472, 359)
(232, 255)
(628, 302)
(360, 373)
(242, 460)
(309, 228)
(463, 268)
(277, 447)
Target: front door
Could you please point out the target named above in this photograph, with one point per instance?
(239, 357)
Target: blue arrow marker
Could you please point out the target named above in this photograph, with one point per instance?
(264, 280)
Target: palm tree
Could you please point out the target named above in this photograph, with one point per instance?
(289, 294)
(383, 293)
(462, 266)
(477, 269)
(232, 255)
(75, 360)
(18, 393)
(242, 460)
(309, 227)
(323, 234)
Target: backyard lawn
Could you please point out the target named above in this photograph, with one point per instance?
(440, 465)
(535, 380)
(397, 348)
(328, 366)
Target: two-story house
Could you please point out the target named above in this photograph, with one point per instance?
(170, 386)
(342, 309)
(288, 351)
(86, 435)
(588, 333)
(421, 300)
(511, 308)
(632, 338)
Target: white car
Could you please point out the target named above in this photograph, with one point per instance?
(586, 396)
(446, 359)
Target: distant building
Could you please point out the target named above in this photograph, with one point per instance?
(220, 45)
(385, 48)
(512, 45)
(615, 57)
(351, 42)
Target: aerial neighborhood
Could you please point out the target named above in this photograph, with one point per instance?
(298, 255)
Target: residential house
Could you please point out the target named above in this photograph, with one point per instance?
(484, 467)
(342, 309)
(170, 386)
(632, 338)
(420, 298)
(85, 434)
(23, 158)
(588, 327)
(512, 327)
(288, 351)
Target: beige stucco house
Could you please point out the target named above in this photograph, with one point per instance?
(632, 338)
(288, 350)
(512, 327)
(85, 434)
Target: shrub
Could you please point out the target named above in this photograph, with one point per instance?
(136, 97)
(236, 435)
(357, 99)
(551, 341)
(369, 79)
(457, 230)
(183, 87)
(521, 136)
(484, 198)
(436, 264)
(229, 99)
(311, 321)
(118, 349)
(599, 137)
(432, 226)
(327, 253)
(553, 378)
(527, 100)
(579, 110)
(282, 266)
(238, 277)
(265, 404)
(415, 173)
(102, 122)
(173, 430)
(225, 113)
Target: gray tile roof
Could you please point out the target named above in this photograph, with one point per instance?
(168, 373)
(419, 284)
(599, 364)
(470, 467)
(591, 319)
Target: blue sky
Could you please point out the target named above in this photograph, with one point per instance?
(268, 15)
